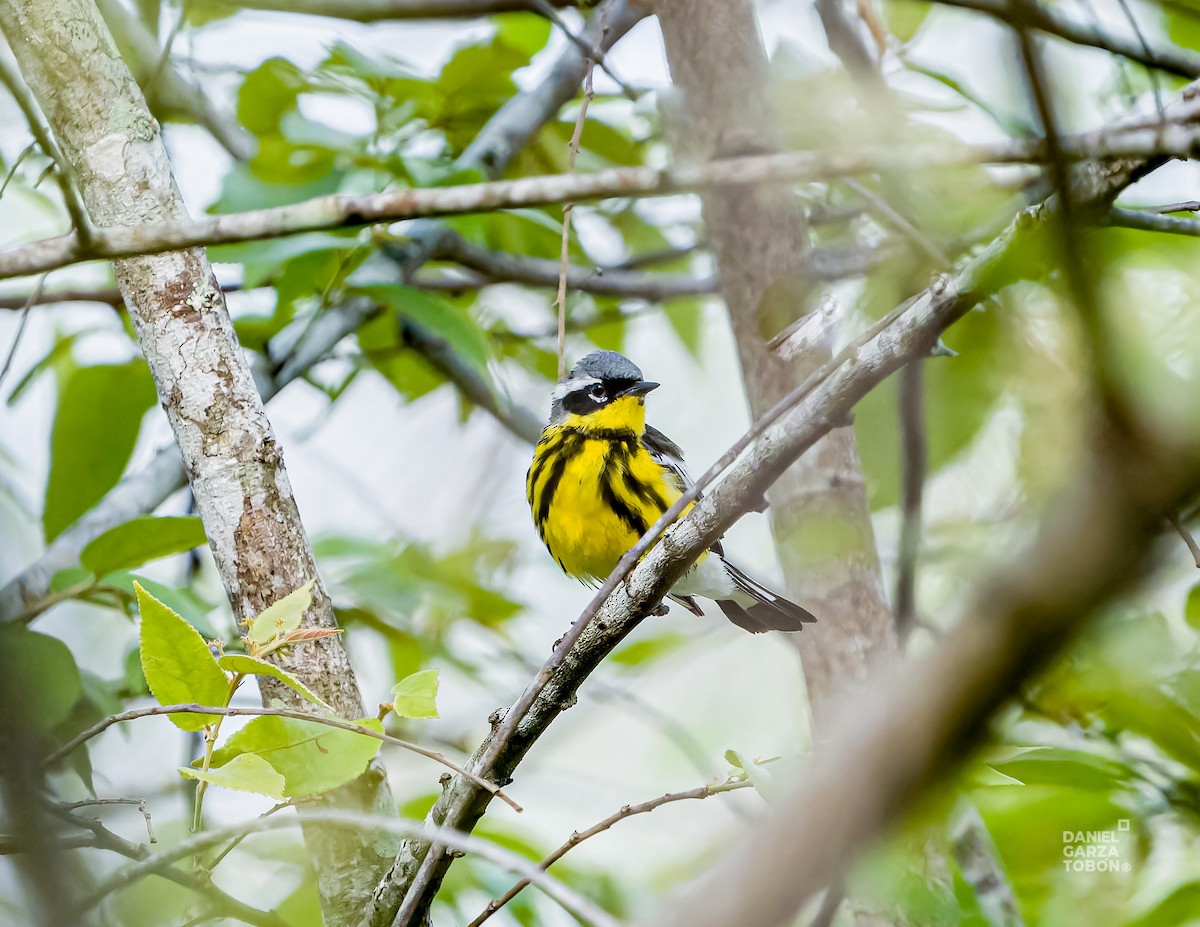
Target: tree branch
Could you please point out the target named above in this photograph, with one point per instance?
(232, 458)
(521, 116)
(1172, 59)
(1149, 221)
(1125, 140)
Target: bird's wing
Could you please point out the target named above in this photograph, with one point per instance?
(668, 454)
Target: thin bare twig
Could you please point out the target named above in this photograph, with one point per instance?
(1155, 221)
(63, 173)
(139, 803)
(193, 709)
(1188, 538)
(16, 342)
(594, 54)
(560, 303)
(626, 811)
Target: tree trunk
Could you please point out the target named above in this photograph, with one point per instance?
(232, 459)
(819, 512)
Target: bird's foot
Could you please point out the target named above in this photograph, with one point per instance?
(660, 610)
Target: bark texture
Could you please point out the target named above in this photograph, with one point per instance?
(819, 512)
(232, 459)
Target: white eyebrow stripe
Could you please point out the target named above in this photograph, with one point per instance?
(566, 387)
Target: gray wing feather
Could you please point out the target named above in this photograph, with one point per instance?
(669, 454)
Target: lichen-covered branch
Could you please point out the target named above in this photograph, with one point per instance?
(233, 462)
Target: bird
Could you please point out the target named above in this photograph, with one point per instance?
(601, 476)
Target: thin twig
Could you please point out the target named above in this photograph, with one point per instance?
(16, 342)
(626, 811)
(560, 303)
(1154, 221)
(594, 54)
(104, 839)
(193, 709)
(1188, 538)
(139, 803)
(17, 161)
(64, 174)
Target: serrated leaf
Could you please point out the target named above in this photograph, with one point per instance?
(177, 663)
(245, 773)
(140, 541)
(282, 616)
(253, 666)
(416, 695)
(312, 758)
(95, 429)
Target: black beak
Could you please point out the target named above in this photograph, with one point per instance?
(640, 389)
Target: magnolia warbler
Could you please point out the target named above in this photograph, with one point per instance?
(601, 477)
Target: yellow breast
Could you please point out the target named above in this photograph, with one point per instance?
(593, 496)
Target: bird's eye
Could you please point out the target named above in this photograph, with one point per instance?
(597, 393)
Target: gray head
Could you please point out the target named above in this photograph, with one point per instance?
(594, 382)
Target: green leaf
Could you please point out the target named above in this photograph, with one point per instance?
(44, 682)
(649, 649)
(177, 663)
(184, 602)
(282, 616)
(1191, 610)
(905, 17)
(960, 395)
(140, 541)
(246, 773)
(311, 757)
(253, 666)
(438, 317)
(269, 91)
(416, 695)
(95, 429)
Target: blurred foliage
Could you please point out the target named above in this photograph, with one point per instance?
(1111, 734)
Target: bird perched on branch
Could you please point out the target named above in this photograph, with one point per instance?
(601, 477)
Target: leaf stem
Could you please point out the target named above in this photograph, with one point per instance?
(211, 733)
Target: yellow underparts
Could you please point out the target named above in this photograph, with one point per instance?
(604, 488)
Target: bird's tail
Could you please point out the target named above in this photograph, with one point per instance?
(766, 612)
